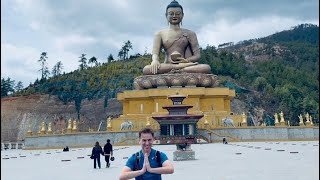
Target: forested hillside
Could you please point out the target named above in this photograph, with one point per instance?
(275, 73)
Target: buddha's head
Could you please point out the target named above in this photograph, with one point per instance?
(174, 12)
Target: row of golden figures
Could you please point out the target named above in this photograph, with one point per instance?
(308, 119)
(72, 127)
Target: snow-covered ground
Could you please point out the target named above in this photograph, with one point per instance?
(257, 161)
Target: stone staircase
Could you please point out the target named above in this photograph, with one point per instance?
(230, 138)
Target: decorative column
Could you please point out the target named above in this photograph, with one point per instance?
(43, 128)
(244, 120)
(157, 107)
(276, 121)
(191, 129)
(49, 128)
(282, 122)
(69, 129)
(301, 120)
(74, 128)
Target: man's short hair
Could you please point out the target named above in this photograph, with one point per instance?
(146, 131)
(108, 140)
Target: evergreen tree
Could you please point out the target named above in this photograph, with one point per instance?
(7, 87)
(110, 58)
(56, 70)
(93, 60)
(44, 68)
(83, 62)
(19, 86)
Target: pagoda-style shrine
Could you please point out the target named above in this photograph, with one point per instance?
(178, 127)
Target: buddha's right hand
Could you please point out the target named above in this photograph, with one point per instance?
(155, 65)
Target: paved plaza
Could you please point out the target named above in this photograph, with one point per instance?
(234, 161)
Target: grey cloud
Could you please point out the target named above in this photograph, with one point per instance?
(110, 23)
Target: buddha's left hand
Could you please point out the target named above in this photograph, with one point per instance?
(182, 60)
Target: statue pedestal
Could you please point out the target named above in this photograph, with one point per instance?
(183, 155)
(282, 123)
(308, 123)
(42, 132)
(69, 130)
(301, 124)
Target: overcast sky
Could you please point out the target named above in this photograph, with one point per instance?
(66, 29)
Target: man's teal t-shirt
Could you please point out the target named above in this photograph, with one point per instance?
(131, 163)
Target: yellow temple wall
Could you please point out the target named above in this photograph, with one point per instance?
(138, 105)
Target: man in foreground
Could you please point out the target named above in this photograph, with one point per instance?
(148, 163)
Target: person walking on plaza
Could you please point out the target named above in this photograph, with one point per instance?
(148, 163)
(107, 149)
(96, 151)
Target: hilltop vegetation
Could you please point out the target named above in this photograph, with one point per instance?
(275, 73)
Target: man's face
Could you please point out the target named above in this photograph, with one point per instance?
(174, 15)
(146, 141)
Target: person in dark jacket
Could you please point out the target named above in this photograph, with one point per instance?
(96, 151)
(107, 149)
(66, 149)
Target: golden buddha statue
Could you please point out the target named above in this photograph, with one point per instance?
(181, 47)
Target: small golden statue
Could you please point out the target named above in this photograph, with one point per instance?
(39, 130)
(148, 122)
(74, 128)
(109, 122)
(244, 118)
(276, 121)
(300, 119)
(49, 128)
(206, 119)
(70, 124)
(281, 117)
(307, 117)
(29, 130)
(43, 127)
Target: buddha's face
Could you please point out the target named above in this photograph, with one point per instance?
(174, 15)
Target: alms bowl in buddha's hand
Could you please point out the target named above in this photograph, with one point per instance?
(174, 57)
